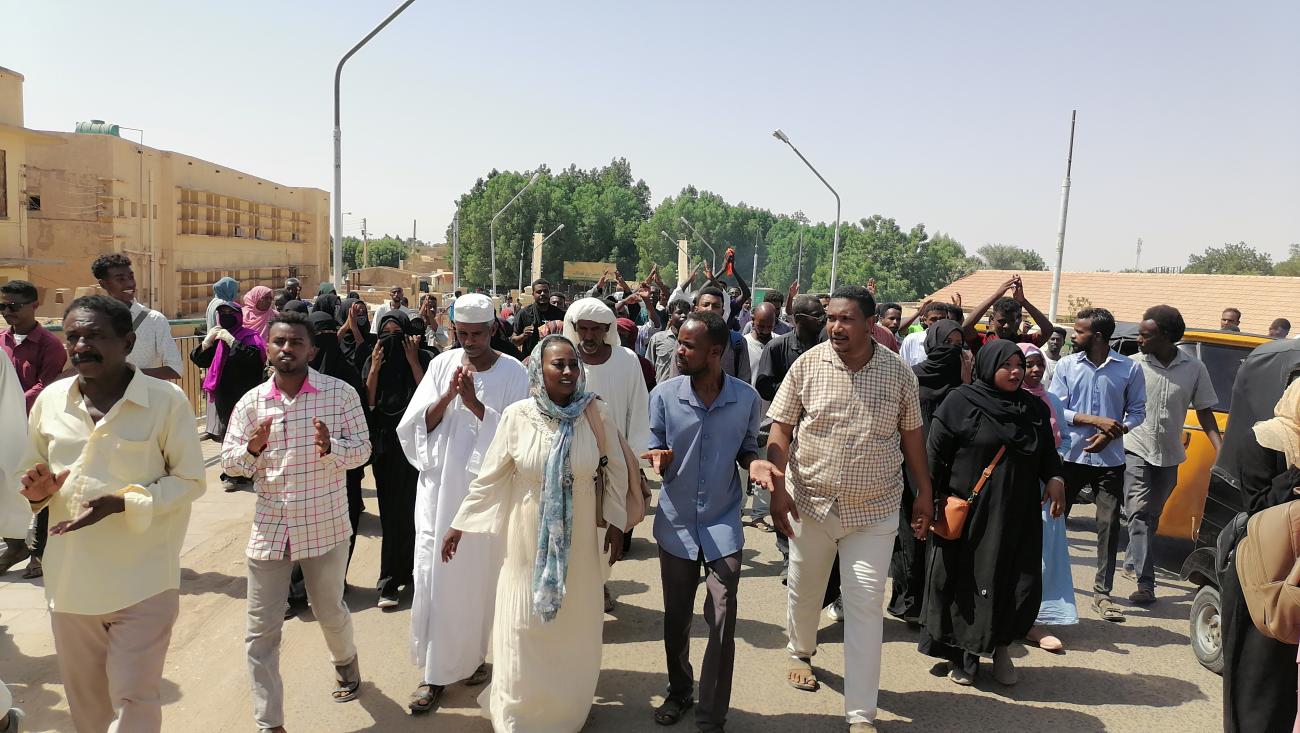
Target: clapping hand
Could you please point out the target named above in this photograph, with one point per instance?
(260, 437)
(411, 346)
(464, 386)
(40, 483)
(323, 444)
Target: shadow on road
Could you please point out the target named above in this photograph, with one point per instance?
(939, 712)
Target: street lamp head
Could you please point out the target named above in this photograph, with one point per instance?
(687, 223)
(665, 233)
(558, 228)
(781, 136)
(534, 178)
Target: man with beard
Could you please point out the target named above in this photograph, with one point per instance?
(735, 358)
(703, 425)
(530, 319)
(396, 302)
(155, 351)
(445, 434)
(1104, 394)
(662, 348)
(114, 455)
(1052, 353)
(614, 373)
(296, 435)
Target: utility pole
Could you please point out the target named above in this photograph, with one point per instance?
(799, 271)
(1137, 264)
(753, 277)
(1060, 232)
(365, 244)
(413, 223)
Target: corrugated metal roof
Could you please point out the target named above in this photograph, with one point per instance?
(1200, 298)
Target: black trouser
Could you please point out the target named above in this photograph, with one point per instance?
(680, 579)
(1107, 483)
(395, 485)
(42, 533)
(907, 565)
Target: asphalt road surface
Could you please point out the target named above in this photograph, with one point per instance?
(1135, 676)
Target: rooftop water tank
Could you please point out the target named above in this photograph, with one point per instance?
(98, 127)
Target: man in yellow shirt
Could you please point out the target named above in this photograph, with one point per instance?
(115, 456)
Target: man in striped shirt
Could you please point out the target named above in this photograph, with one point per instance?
(296, 436)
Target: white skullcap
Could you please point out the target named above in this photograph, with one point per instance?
(473, 308)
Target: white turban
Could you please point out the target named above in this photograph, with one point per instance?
(473, 308)
(591, 309)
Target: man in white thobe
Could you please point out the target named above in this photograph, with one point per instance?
(445, 433)
(614, 373)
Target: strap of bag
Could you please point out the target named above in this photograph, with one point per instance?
(135, 325)
(988, 471)
(597, 428)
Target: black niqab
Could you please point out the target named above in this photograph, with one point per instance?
(396, 382)
(940, 373)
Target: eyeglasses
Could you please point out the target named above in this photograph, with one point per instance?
(814, 319)
(14, 307)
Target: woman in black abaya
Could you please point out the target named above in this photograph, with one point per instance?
(983, 589)
(937, 376)
(393, 371)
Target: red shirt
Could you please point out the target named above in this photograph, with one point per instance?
(885, 337)
(39, 359)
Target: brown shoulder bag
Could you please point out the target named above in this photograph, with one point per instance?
(948, 523)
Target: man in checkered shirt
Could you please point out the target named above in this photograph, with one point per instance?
(845, 420)
(296, 435)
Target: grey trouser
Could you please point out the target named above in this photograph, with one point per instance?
(1146, 488)
(268, 585)
(680, 579)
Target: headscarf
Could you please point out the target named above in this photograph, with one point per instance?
(1282, 433)
(341, 313)
(327, 303)
(590, 309)
(243, 335)
(1040, 391)
(555, 510)
(223, 291)
(1012, 417)
(626, 328)
(325, 289)
(940, 373)
(329, 359)
(396, 382)
(259, 321)
(297, 306)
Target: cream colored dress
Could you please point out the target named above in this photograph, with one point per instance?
(544, 674)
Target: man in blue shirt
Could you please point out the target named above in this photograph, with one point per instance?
(702, 424)
(1104, 394)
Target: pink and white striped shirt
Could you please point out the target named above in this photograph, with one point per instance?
(302, 501)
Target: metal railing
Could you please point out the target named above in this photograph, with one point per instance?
(191, 381)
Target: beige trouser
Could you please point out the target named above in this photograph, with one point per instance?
(112, 664)
(268, 586)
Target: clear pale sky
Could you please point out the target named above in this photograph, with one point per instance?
(951, 114)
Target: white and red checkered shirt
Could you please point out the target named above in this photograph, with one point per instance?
(302, 498)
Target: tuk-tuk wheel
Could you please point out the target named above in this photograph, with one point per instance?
(1206, 634)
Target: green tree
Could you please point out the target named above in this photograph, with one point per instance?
(1230, 259)
(1008, 257)
(1290, 267)
(385, 251)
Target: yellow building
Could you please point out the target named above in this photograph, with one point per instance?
(15, 141)
(184, 222)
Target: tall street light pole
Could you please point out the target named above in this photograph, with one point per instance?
(338, 145)
(492, 228)
(1060, 231)
(455, 250)
(535, 248)
(835, 244)
(713, 265)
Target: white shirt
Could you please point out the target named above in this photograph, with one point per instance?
(381, 311)
(154, 345)
(913, 348)
(755, 354)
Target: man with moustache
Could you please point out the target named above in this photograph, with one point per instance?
(155, 351)
(115, 456)
(445, 434)
(662, 348)
(703, 425)
(532, 318)
(296, 435)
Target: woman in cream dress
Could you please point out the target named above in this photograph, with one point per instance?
(536, 492)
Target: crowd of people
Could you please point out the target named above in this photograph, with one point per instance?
(515, 451)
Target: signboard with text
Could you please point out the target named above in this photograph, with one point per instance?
(587, 271)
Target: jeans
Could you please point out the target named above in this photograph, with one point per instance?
(1107, 483)
(1146, 488)
(864, 554)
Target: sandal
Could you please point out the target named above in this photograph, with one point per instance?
(800, 675)
(425, 698)
(34, 569)
(481, 675)
(671, 711)
(1107, 610)
(348, 679)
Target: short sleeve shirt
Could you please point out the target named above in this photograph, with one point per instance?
(846, 454)
(1171, 391)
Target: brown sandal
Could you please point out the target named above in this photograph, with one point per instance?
(425, 698)
(348, 682)
(800, 675)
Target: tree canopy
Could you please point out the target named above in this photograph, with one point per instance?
(386, 251)
(1231, 259)
(1008, 257)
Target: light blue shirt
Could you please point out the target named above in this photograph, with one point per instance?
(1116, 389)
(699, 506)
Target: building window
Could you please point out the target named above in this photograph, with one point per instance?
(134, 215)
(4, 186)
(33, 202)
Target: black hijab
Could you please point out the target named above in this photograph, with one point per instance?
(396, 382)
(940, 373)
(297, 306)
(329, 357)
(327, 303)
(1016, 418)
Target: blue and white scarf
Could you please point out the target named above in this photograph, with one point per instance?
(555, 510)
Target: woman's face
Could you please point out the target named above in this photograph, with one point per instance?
(1035, 368)
(391, 326)
(1010, 375)
(264, 302)
(955, 338)
(560, 372)
(228, 318)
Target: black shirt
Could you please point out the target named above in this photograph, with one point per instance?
(778, 356)
(535, 315)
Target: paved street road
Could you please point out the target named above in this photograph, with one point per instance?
(1138, 676)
